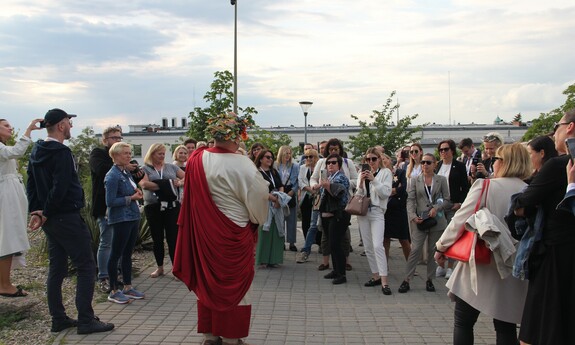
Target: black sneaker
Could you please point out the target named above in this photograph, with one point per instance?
(339, 280)
(95, 326)
(429, 286)
(60, 325)
(404, 287)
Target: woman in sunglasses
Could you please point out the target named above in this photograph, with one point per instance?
(309, 215)
(334, 197)
(427, 199)
(414, 167)
(375, 182)
(270, 246)
(501, 299)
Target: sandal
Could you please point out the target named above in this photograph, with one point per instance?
(322, 267)
(19, 293)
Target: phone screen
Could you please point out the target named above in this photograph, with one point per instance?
(570, 142)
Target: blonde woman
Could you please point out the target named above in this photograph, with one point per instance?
(180, 157)
(161, 209)
(289, 172)
(375, 181)
(309, 215)
(501, 299)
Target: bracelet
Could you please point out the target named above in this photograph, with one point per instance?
(439, 251)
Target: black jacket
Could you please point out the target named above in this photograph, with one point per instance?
(546, 190)
(53, 185)
(458, 182)
(100, 164)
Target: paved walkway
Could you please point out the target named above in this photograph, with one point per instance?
(293, 304)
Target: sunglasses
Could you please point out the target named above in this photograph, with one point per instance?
(373, 159)
(490, 138)
(495, 158)
(414, 151)
(557, 124)
(308, 157)
(426, 162)
(269, 157)
(331, 162)
(444, 149)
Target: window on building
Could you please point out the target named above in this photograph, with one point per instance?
(137, 150)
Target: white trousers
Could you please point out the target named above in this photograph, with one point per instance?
(372, 228)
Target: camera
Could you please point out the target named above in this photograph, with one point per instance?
(42, 124)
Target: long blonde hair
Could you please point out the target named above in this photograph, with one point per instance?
(153, 149)
(411, 160)
(281, 154)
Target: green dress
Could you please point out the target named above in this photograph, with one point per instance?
(270, 247)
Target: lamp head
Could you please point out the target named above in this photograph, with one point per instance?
(305, 105)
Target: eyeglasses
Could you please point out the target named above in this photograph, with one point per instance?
(557, 124)
(268, 157)
(426, 162)
(373, 159)
(414, 151)
(444, 149)
(115, 138)
(331, 162)
(308, 157)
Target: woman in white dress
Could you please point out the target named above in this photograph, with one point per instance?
(13, 207)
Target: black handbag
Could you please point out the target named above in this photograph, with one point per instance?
(427, 224)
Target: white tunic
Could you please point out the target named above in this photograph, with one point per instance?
(237, 187)
(13, 202)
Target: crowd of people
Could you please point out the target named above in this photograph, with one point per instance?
(517, 199)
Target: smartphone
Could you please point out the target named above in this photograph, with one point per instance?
(323, 174)
(474, 161)
(42, 124)
(365, 167)
(570, 143)
(137, 170)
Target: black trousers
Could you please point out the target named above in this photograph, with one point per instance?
(306, 207)
(68, 236)
(465, 317)
(336, 227)
(163, 224)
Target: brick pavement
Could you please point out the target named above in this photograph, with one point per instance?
(293, 304)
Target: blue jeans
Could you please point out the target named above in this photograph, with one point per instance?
(104, 247)
(123, 242)
(311, 232)
(291, 225)
(68, 236)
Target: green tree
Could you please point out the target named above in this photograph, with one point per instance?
(517, 118)
(220, 99)
(544, 123)
(380, 131)
(81, 147)
(271, 140)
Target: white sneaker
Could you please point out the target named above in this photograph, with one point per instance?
(301, 257)
(440, 271)
(448, 273)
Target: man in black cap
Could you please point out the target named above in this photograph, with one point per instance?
(55, 197)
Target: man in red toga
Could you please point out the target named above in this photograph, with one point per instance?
(224, 200)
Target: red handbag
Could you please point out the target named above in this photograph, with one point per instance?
(461, 249)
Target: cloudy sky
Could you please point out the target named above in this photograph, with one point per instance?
(134, 62)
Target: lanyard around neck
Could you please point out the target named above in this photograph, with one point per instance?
(270, 176)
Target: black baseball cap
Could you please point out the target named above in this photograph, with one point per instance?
(53, 116)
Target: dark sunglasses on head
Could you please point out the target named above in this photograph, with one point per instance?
(444, 149)
(373, 159)
(414, 151)
(490, 138)
(426, 162)
(331, 162)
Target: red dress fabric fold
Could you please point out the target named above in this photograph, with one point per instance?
(214, 256)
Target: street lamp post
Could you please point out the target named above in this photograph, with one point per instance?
(305, 106)
(234, 3)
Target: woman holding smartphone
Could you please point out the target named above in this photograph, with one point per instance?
(375, 180)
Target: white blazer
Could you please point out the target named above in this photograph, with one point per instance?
(379, 188)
